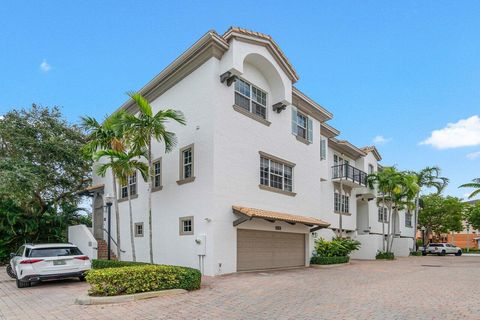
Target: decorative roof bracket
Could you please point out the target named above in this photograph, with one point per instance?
(228, 77)
(279, 107)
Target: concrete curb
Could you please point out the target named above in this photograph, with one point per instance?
(90, 300)
(328, 266)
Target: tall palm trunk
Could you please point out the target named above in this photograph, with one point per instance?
(340, 217)
(394, 226)
(415, 221)
(383, 223)
(149, 183)
(389, 228)
(132, 230)
(117, 214)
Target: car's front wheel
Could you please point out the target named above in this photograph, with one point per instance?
(459, 253)
(10, 272)
(23, 284)
(442, 253)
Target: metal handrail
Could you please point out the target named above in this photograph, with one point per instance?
(348, 172)
(116, 244)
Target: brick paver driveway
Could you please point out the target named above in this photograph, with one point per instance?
(408, 288)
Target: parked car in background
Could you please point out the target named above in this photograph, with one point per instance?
(37, 262)
(442, 249)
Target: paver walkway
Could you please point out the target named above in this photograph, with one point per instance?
(409, 288)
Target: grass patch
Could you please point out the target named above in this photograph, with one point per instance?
(329, 260)
(385, 256)
(104, 264)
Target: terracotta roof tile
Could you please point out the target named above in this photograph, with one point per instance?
(273, 215)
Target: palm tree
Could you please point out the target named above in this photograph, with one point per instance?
(107, 135)
(144, 127)
(123, 165)
(402, 197)
(428, 177)
(379, 181)
(474, 184)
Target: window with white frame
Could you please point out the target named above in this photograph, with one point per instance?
(408, 219)
(276, 174)
(186, 162)
(302, 125)
(139, 229)
(323, 149)
(186, 225)
(382, 214)
(157, 174)
(132, 186)
(341, 204)
(251, 98)
(371, 169)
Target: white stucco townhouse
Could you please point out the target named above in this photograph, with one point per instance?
(257, 171)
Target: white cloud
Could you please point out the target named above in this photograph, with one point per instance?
(379, 140)
(473, 155)
(464, 133)
(44, 66)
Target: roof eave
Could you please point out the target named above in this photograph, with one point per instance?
(325, 115)
(209, 40)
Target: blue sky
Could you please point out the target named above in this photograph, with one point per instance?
(391, 71)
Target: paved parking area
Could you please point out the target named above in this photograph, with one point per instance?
(409, 288)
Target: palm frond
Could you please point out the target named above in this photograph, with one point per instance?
(142, 103)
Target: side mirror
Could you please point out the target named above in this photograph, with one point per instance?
(13, 255)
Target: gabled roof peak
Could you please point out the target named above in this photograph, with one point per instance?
(267, 41)
(373, 150)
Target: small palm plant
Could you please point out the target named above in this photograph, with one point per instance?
(124, 165)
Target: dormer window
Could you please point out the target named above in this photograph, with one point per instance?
(251, 98)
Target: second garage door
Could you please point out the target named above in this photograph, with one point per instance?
(257, 250)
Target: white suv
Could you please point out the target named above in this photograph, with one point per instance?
(36, 262)
(443, 248)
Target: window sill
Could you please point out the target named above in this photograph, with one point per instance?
(138, 236)
(186, 233)
(267, 188)
(251, 115)
(135, 196)
(187, 180)
(303, 140)
(157, 188)
(343, 213)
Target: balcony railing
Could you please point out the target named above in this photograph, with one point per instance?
(349, 174)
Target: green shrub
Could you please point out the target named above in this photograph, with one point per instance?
(338, 247)
(385, 256)
(329, 260)
(142, 278)
(415, 253)
(103, 264)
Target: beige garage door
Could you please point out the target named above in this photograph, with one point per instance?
(257, 250)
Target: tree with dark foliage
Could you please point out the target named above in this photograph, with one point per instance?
(42, 172)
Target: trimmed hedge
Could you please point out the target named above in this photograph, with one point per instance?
(416, 253)
(329, 260)
(103, 264)
(143, 278)
(385, 256)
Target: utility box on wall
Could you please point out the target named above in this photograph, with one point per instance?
(201, 241)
